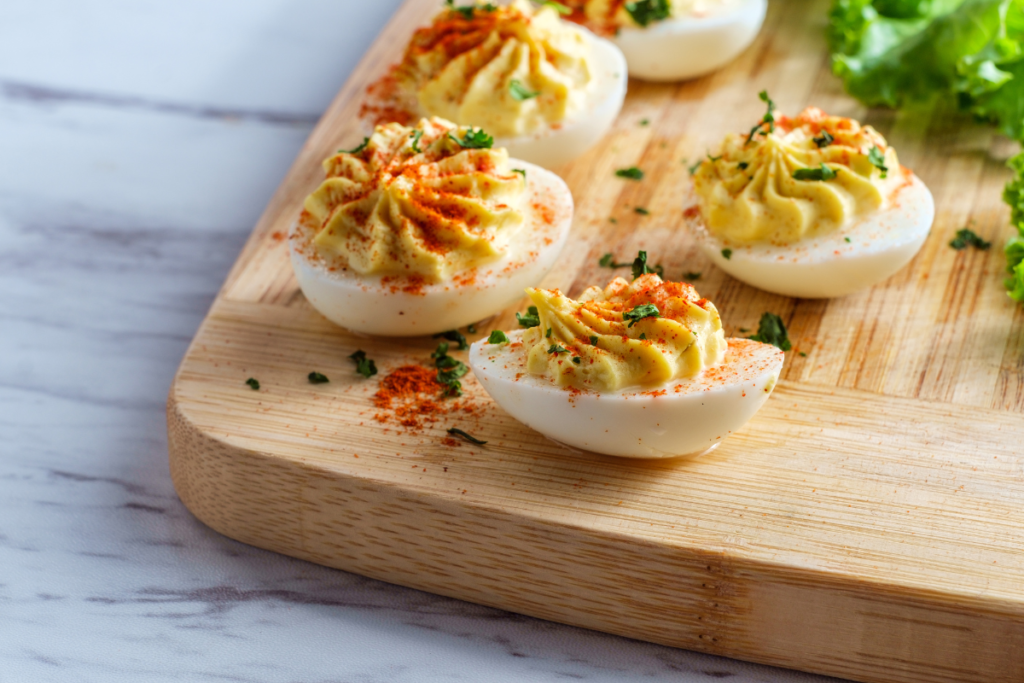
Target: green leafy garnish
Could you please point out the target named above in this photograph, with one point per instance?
(642, 211)
(645, 122)
(576, 360)
(531, 319)
(847, 239)
(556, 349)
(640, 266)
(454, 336)
(645, 12)
(519, 92)
(474, 138)
(742, 165)
(633, 173)
(357, 149)
(643, 335)
(416, 135)
(548, 333)
(727, 254)
(364, 366)
(696, 165)
(449, 370)
(691, 276)
(253, 383)
(965, 237)
(497, 337)
(639, 313)
(823, 172)
(520, 171)
(558, 7)
(468, 437)
(608, 261)
(316, 378)
(824, 140)
(471, 328)
(877, 160)
(771, 330)
(767, 123)
(468, 10)
(593, 341)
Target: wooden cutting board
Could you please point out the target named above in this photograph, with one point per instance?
(868, 523)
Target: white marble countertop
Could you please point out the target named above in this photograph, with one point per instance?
(139, 142)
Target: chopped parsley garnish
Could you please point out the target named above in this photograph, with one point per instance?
(613, 220)
(608, 261)
(877, 160)
(558, 7)
(713, 159)
(576, 360)
(359, 148)
(548, 333)
(643, 335)
(317, 378)
(468, 437)
(847, 239)
(632, 173)
(727, 254)
(742, 165)
(646, 12)
(416, 135)
(802, 354)
(767, 120)
(593, 341)
(691, 276)
(531, 319)
(475, 138)
(965, 237)
(639, 313)
(364, 366)
(642, 211)
(519, 92)
(253, 383)
(520, 171)
(449, 370)
(693, 169)
(640, 266)
(645, 122)
(824, 140)
(497, 337)
(556, 349)
(771, 330)
(471, 328)
(454, 336)
(823, 172)
(467, 11)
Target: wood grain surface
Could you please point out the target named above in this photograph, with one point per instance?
(868, 523)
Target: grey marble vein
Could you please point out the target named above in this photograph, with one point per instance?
(139, 142)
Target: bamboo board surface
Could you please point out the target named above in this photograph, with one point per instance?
(868, 523)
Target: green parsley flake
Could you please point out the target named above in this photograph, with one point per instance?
(823, 172)
(531, 319)
(449, 370)
(632, 173)
(253, 383)
(520, 171)
(497, 337)
(359, 148)
(316, 378)
(691, 275)
(877, 160)
(642, 211)
(639, 313)
(767, 120)
(742, 165)
(519, 92)
(468, 437)
(364, 366)
(455, 336)
(645, 12)
(965, 237)
(415, 136)
(593, 341)
(693, 169)
(558, 7)
(474, 138)
(727, 254)
(824, 140)
(576, 360)
(645, 122)
(548, 333)
(556, 349)
(771, 330)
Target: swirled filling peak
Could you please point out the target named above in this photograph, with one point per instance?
(644, 332)
(428, 201)
(510, 69)
(793, 178)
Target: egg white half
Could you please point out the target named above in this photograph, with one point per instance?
(849, 259)
(690, 46)
(559, 144)
(686, 417)
(388, 307)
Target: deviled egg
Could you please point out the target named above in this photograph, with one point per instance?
(812, 206)
(640, 370)
(425, 229)
(671, 40)
(546, 89)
